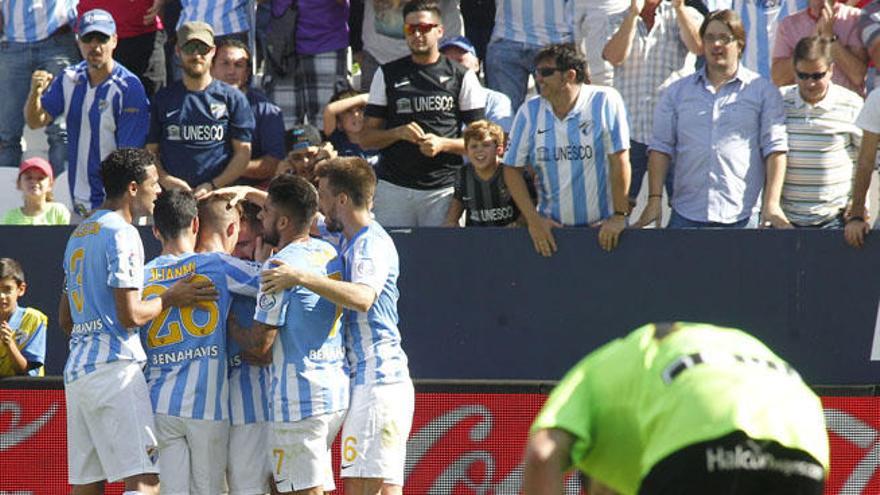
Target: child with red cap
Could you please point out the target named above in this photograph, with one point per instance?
(35, 181)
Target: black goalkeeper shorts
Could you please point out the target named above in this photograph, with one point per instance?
(735, 465)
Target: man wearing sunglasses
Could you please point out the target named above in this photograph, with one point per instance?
(823, 140)
(415, 112)
(576, 138)
(104, 104)
(836, 22)
(200, 128)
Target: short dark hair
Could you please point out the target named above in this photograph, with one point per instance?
(423, 6)
(352, 176)
(296, 197)
(173, 212)
(343, 94)
(733, 22)
(9, 268)
(812, 49)
(124, 166)
(566, 56)
(249, 216)
(234, 43)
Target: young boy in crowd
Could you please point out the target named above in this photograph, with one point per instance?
(22, 330)
(480, 190)
(343, 122)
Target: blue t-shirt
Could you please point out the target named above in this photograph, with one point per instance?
(268, 138)
(345, 147)
(195, 129)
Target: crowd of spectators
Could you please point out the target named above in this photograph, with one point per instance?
(702, 99)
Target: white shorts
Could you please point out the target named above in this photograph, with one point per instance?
(398, 206)
(110, 432)
(375, 431)
(300, 452)
(192, 455)
(248, 471)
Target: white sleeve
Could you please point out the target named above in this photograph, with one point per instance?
(472, 95)
(869, 117)
(369, 266)
(378, 96)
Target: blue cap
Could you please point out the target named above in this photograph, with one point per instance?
(96, 21)
(461, 42)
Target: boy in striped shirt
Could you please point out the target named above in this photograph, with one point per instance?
(186, 351)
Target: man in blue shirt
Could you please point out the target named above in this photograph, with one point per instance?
(101, 309)
(104, 104)
(723, 127)
(382, 397)
(303, 331)
(232, 65)
(36, 35)
(576, 138)
(200, 128)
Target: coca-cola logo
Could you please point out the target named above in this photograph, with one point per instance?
(458, 470)
(863, 436)
(19, 433)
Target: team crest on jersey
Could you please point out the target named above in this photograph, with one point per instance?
(364, 268)
(586, 127)
(268, 301)
(173, 133)
(404, 105)
(218, 110)
(153, 453)
(102, 105)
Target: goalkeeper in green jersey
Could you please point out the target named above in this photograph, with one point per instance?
(683, 408)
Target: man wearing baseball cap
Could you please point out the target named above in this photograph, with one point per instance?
(498, 107)
(106, 107)
(200, 127)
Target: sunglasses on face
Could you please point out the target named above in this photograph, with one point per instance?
(803, 76)
(422, 27)
(90, 38)
(547, 71)
(195, 47)
(724, 39)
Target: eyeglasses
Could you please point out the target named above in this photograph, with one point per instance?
(195, 47)
(724, 39)
(90, 38)
(803, 76)
(547, 71)
(422, 27)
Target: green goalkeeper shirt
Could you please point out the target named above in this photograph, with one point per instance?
(633, 402)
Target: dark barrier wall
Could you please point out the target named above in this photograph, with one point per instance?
(480, 304)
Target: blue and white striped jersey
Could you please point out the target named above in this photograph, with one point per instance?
(372, 339)
(248, 385)
(27, 21)
(186, 347)
(114, 114)
(225, 16)
(536, 23)
(570, 156)
(103, 253)
(309, 375)
(760, 19)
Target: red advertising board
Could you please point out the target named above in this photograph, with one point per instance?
(461, 443)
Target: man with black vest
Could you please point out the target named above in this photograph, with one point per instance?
(415, 112)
